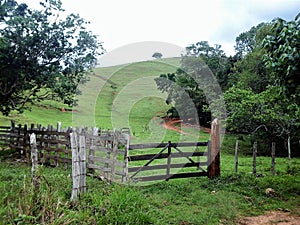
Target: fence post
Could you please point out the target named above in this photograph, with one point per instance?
(236, 157)
(34, 156)
(12, 133)
(254, 157)
(58, 126)
(92, 150)
(25, 143)
(273, 158)
(34, 162)
(82, 164)
(214, 150)
(75, 166)
(109, 147)
(114, 149)
(169, 160)
(125, 169)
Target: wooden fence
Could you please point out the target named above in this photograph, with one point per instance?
(53, 143)
(109, 154)
(4, 137)
(170, 152)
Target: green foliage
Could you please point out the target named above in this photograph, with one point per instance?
(247, 41)
(264, 96)
(42, 50)
(250, 72)
(269, 111)
(157, 55)
(203, 70)
(283, 54)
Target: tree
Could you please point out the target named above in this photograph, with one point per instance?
(283, 54)
(203, 68)
(263, 100)
(157, 55)
(283, 59)
(247, 41)
(214, 57)
(42, 54)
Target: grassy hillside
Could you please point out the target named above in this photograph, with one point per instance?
(115, 97)
(98, 95)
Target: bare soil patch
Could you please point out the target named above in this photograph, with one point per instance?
(273, 217)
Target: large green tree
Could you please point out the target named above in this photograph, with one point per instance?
(199, 79)
(264, 99)
(42, 54)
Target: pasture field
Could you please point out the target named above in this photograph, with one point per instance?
(187, 201)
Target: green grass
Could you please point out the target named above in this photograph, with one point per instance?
(128, 99)
(96, 104)
(186, 201)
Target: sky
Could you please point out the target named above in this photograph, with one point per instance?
(180, 23)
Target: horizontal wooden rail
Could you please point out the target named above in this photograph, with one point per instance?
(172, 166)
(162, 145)
(165, 155)
(171, 176)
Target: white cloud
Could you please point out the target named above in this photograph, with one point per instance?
(119, 22)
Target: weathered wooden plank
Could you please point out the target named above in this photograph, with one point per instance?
(104, 169)
(214, 150)
(114, 158)
(165, 155)
(164, 166)
(53, 141)
(62, 160)
(273, 161)
(5, 127)
(236, 156)
(82, 163)
(161, 145)
(55, 149)
(171, 176)
(126, 151)
(75, 167)
(99, 148)
(98, 167)
(105, 160)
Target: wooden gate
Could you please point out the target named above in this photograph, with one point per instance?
(164, 169)
(175, 160)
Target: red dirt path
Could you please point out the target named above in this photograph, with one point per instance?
(170, 124)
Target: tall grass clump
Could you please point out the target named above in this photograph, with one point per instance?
(39, 203)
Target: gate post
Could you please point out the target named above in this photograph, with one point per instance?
(214, 150)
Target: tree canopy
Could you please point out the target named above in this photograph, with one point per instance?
(42, 54)
(157, 55)
(261, 83)
(195, 78)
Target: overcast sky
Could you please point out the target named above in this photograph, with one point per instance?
(178, 22)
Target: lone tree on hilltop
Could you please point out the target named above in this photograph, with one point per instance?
(157, 55)
(42, 54)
